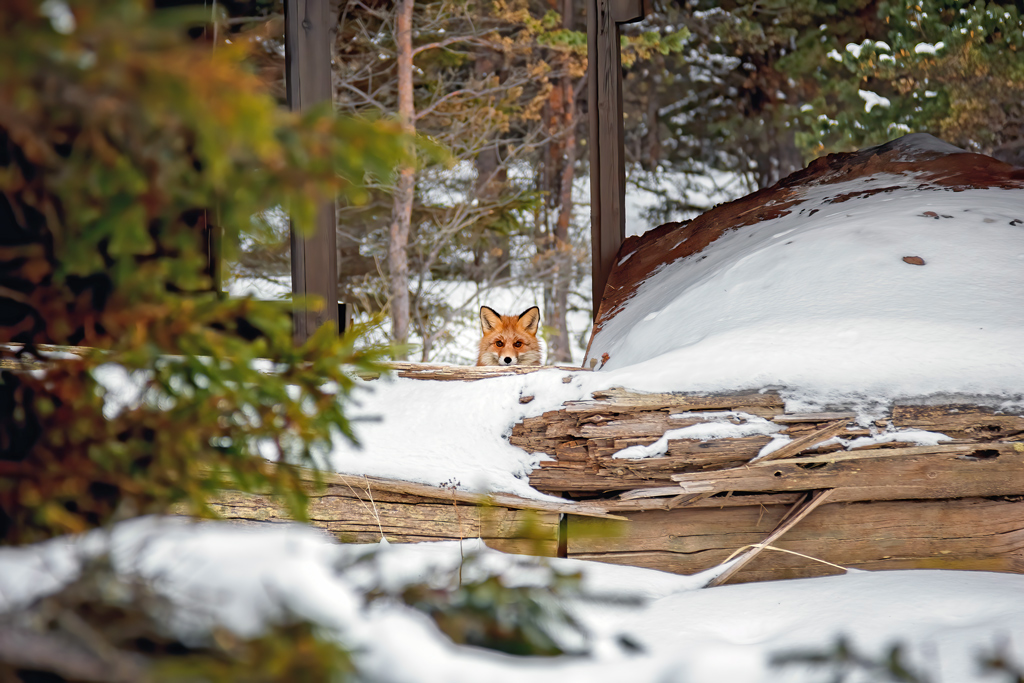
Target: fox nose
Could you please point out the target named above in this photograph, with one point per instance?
(508, 360)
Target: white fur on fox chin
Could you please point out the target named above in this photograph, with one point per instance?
(531, 358)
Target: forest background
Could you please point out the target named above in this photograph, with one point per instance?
(120, 139)
(720, 99)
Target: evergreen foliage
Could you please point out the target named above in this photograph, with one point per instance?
(765, 86)
(120, 141)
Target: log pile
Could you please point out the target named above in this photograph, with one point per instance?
(361, 509)
(956, 504)
(985, 455)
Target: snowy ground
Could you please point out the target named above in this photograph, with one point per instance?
(820, 307)
(245, 577)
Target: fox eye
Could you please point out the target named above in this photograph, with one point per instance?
(518, 344)
(499, 343)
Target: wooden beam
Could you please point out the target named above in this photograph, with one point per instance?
(967, 534)
(792, 518)
(308, 32)
(916, 472)
(607, 153)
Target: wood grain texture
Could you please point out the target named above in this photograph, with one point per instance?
(923, 472)
(960, 421)
(792, 517)
(807, 441)
(462, 373)
(405, 519)
(971, 533)
(308, 82)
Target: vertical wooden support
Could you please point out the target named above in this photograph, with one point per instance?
(607, 154)
(308, 77)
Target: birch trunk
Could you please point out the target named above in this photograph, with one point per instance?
(401, 212)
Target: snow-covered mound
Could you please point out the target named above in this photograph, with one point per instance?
(891, 272)
(894, 272)
(244, 578)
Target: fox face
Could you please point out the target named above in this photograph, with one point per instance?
(509, 339)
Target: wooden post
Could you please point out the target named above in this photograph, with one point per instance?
(607, 154)
(308, 77)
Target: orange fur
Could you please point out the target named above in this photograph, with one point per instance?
(509, 339)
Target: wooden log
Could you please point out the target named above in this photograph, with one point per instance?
(923, 472)
(807, 442)
(972, 533)
(356, 520)
(789, 520)
(623, 401)
(642, 424)
(960, 421)
(635, 502)
(797, 418)
(463, 373)
(690, 456)
(359, 486)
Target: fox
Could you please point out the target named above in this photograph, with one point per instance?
(509, 339)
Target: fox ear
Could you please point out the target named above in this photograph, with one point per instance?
(530, 319)
(489, 319)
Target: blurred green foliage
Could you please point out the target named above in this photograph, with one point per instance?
(951, 68)
(109, 627)
(123, 146)
(765, 86)
(843, 662)
(489, 611)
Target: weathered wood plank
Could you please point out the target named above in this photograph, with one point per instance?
(935, 472)
(969, 533)
(789, 520)
(960, 421)
(622, 401)
(463, 373)
(807, 442)
(355, 520)
(638, 503)
(357, 486)
(794, 418)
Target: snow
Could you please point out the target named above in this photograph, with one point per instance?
(872, 99)
(817, 304)
(928, 48)
(820, 303)
(245, 578)
(718, 426)
(451, 433)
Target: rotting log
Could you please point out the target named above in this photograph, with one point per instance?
(920, 472)
(583, 437)
(365, 509)
(353, 517)
(960, 421)
(464, 373)
(971, 533)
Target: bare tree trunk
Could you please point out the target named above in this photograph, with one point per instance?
(559, 350)
(401, 213)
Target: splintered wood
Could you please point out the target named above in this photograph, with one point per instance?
(889, 504)
(584, 436)
(984, 457)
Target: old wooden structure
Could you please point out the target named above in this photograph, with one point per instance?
(308, 34)
(366, 509)
(958, 504)
(607, 153)
(817, 505)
